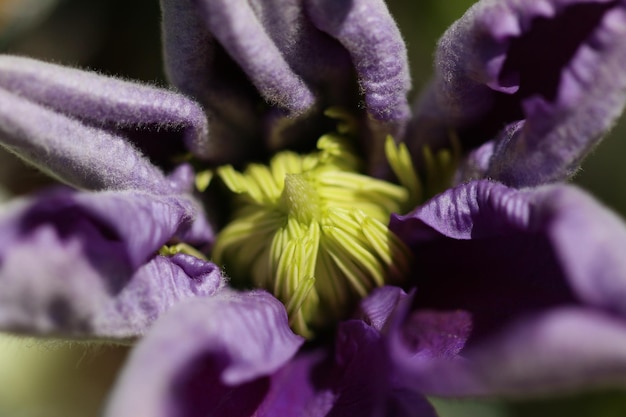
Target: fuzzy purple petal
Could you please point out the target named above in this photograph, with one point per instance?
(220, 351)
(238, 29)
(238, 57)
(367, 30)
(510, 264)
(87, 125)
(553, 69)
(84, 264)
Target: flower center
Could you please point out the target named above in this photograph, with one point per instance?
(300, 198)
(312, 230)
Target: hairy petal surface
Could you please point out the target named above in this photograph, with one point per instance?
(550, 72)
(220, 353)
(299, 58)
(84, 264)
(88, 125)
(368, 32)
(525, 263)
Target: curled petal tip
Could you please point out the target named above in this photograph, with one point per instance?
(79, 114)
(370, 35)
(555, 65)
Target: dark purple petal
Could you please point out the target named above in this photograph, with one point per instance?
(377, 308)
(295, 389)
(474, 210)
(78, 126)
(432, 334)
(364, 383)
(356, 381)
(220, 352)
(554, 65)
(515, 262)
(483, 248)
(73, 263)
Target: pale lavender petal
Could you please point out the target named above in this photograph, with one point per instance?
(236, 26)
(220, 352)
(369, 33)
(554, 65)
(563, 349)
(61, 295)
(266, 70)
(521, 257)
(152, 290)
(75, 263)
(199, 66)
(79, 126)
(569, 347)
(188, 48)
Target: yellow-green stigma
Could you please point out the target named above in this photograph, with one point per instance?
(312, 230)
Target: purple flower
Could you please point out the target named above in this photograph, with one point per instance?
(512, 290)
(96, 273)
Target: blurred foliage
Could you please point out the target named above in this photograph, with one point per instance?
(600, 403)
(55, 379)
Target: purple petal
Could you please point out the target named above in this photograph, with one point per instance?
(512, 260)
(80, 114)
(153, 289)
(73, 263)
(565, 348)
(239, 30)
(200, 67)
(434, 334)
(474, 210)
(219, 350)
(490, 233)
(377, 308)
(234, 55)
(356, 381)
(365, 382)
(553, 65)
(295, 389)
(367, 30)
(140, 223)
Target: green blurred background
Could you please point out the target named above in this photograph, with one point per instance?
(122, 38)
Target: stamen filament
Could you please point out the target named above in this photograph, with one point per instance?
(311, 229)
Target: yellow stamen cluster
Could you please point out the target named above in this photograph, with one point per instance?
(313, 230)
